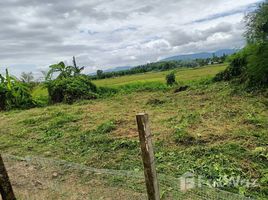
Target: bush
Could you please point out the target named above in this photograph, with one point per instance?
(235, 69)
(71, 89)
(249, 66)
(14, 94)
(257, 68)
(2, 97)
(171, 79)
(106, 91)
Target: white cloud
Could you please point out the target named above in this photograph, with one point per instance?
(103, 34)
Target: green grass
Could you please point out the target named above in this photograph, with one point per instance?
(213, 129)
(146, 81)
(182, 75)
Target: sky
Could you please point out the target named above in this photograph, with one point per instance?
(104, 34)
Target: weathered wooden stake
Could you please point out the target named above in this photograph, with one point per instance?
(5, 185)
(148, 156)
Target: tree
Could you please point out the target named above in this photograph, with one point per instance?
(99, 73)
(171, 79)
(26, 77)
(250, 65)
(257, 24)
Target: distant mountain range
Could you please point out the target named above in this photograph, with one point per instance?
(116, 69)
(185, 57)
(202, 55)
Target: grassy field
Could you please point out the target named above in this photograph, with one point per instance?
(212, 129)
(181, 75)
(148, 80)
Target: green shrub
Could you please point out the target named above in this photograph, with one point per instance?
(3, 92)
(14, 94)
(235, 69)
(257, 67)
(106, 92)
(71, 89)
(171, 79)
(250, 65)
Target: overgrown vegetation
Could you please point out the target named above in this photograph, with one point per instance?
(250, 65)
(171, 79)
(69, 85)
(71, 89)
(213, 129)
(160, 66)
(14, 94)
(210, 129)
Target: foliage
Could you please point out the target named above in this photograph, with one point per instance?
(99, 74)
(171, 79)
(181, 74)
(160, 66)
(257, 67)
(106, 91)
(27, 77)
(188, 132)
(143, 82)
(257, 23)
(236, 68)
(63, 71)
(250, 65)
(71, 89)
(76, 69)
(14, 94)
(69, 85)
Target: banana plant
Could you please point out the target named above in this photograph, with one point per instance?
(60, 68)
(63, 71)
(13, 93)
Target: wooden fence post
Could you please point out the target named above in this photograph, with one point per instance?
(148, 156)
(5, 185)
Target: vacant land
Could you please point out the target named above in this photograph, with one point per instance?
(212, 129)
(181, 74)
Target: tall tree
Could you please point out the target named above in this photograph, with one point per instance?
(257, 24)
(99, 73)
(26, 77)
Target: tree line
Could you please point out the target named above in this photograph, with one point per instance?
(250, 65)
(160, 66)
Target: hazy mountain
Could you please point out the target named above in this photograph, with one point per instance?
(118, 69)
(202, 55)
(115, 69)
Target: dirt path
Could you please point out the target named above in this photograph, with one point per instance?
(35, 181)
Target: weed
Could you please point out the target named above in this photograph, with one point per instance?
(183, 137)
(125, 144)
(155, 102)
(106, 127)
